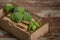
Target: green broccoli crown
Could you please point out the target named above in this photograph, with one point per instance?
(19, 9)
(33, 26)
(9, 7)
(27, 16)
(16, 17)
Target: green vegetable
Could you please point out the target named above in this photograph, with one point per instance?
(16, 17)
(19, 9)
(33, 26)
(9, 7)
(27, 16)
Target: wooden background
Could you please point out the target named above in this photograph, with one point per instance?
(35, 6)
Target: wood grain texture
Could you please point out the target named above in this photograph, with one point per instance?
(36, 7)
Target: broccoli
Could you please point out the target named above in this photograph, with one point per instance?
(33, 26)
(27, 17)
(16, 17)
(19, 9)
(9, 7)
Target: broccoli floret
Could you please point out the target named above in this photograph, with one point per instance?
(19, 9)
(33, 26)
(9, 7)
(27, 16)
(16, 17)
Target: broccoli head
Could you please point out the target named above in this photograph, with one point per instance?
(19, 9)
(9, 7)
(33, 26)
(16, 17)
(27, 16)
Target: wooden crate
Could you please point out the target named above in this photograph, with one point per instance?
(25, 35)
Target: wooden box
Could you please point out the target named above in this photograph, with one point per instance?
(25, 35)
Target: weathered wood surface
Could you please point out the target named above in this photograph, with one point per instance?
(55, 5)
(34, 5)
